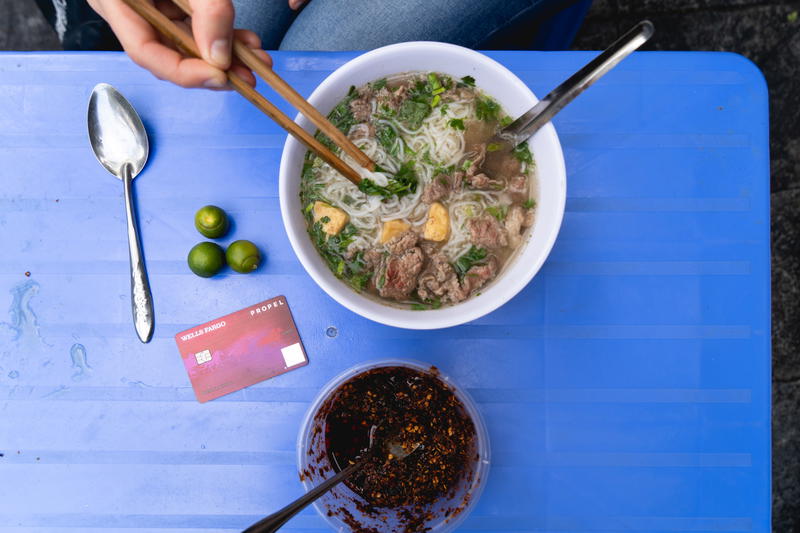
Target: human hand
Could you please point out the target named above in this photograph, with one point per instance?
(212, 27)
(297, 4)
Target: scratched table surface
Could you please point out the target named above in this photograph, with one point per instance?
(627, 388)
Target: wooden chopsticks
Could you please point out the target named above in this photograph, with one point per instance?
(184, 41)
(244, 54)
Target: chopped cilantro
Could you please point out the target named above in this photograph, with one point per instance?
(419, 307)
(456, 123)
(469, 259)
(386, 136)
(466, 164)
(333, 249)
(467, 81)
(530, 203)
(486, 108)
(402, 183)
(444, 109)
(342, 117)
(412, 113)
(499, 212)
(505, 121)
(523, 153)
(378, 84)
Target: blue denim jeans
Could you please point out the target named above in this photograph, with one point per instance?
(367, 24)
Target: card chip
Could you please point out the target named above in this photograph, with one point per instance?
(203, 357)
(293, 355)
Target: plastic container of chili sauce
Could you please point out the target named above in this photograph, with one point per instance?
(345, 509)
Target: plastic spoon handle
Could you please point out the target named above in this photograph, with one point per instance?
(543, 112)
(141, 299)
(274, 521)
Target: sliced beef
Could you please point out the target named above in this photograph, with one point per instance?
(457, 180)
(518, 188)
(477, 276)
(475, 156)
(441, 186)
(483, 182)
(437, 189)
(514, 223)
(372, 258)
(429, 248)
(391, 98)
(486, 232)
(402, 242)
(398, 277)
(361, 106)
(440, 282)
(457, 94)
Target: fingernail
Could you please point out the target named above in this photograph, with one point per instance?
(215, 83)
(221, 53)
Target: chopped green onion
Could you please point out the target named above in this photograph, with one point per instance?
(440, 90)
(530, 203)
(493, 147)
(435, 100)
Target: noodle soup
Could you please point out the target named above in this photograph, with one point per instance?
(445, 209)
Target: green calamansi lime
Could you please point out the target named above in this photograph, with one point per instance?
(206, 259)
(211, 221)
(243, 256)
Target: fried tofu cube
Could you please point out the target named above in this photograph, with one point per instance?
(437, 227)
(337, 218)
(392, 228)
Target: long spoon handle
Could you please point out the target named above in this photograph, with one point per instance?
(141, 298)
(542, 112)
(274, 521)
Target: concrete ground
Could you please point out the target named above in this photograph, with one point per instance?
(767, 32)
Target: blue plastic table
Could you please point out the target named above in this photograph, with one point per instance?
(627, 388)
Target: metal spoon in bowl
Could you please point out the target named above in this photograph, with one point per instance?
(119, 141)
(540, 114)
(273, 522)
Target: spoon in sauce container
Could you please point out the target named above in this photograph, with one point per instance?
(395, 452)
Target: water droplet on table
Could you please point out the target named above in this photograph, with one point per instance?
(79, 362)
(331, 332)
(13, 374)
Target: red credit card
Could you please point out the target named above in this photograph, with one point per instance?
(240, 349)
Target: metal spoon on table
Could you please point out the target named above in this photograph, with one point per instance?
(274, 521)
(119, 141)
(540, 114)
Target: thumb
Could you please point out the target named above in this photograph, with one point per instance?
(212, 26)
(296, 4)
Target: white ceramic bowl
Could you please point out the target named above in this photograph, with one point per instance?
(514, 96)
